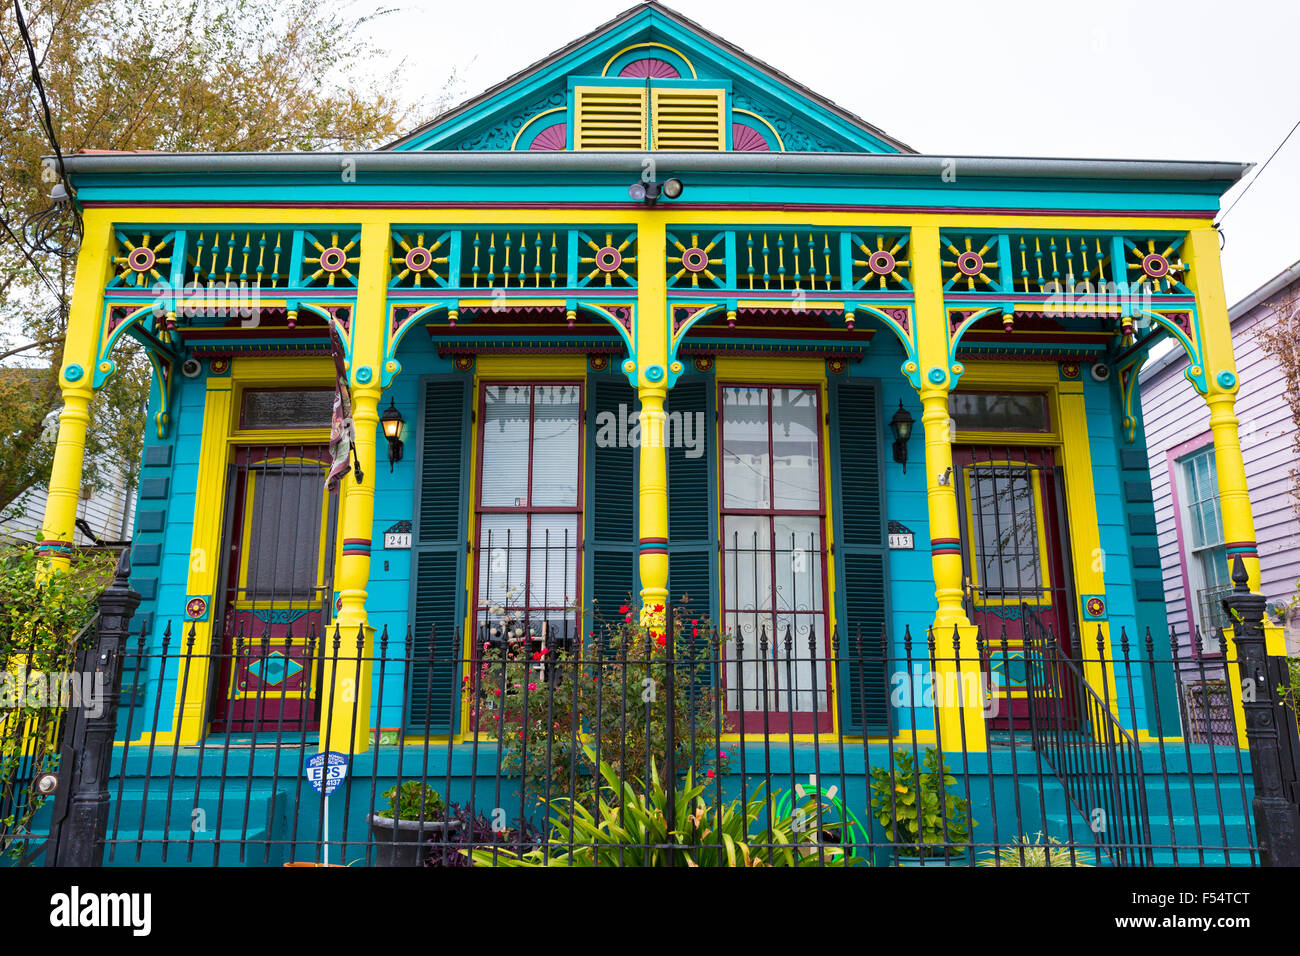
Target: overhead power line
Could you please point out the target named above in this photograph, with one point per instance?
(1242, 194)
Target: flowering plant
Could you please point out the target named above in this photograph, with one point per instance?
(609, 694)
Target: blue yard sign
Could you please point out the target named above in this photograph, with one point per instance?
(326, 771)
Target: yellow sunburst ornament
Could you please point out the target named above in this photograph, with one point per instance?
(333, 260)
(140, 263)
(882, 262)
(695, 261)
(1157, 269)
(609, 259)
(969, 265)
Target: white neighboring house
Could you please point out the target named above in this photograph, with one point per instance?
(104, 516)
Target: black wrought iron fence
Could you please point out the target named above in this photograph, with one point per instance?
(627, 752)
(37, 687)
(625, 745)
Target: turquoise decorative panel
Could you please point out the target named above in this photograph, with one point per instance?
(157, 456)
(154, 487)
(150, 520)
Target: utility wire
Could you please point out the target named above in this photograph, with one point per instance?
(1241, 194)
(45, 225)
(48, 120)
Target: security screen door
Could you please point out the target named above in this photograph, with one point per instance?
(1015, 565)
(276, 585)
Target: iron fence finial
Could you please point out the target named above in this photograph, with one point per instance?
(1239, 576)
(122, 572)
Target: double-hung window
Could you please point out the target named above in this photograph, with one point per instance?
(1204, 548)
(529, 506)
(773, 526)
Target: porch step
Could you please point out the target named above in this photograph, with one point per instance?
(1175, 834)
(166, 838)
(161, 848)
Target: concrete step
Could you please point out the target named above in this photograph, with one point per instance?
(163, 848)
(219, 830)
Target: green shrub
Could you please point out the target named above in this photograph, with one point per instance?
(915, 805)
(1038, 851)
(414, 800)
(629, 828)
(44, 615)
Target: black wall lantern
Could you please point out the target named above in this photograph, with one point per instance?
(392, 421)
(901, 426)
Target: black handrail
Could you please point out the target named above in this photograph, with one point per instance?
(1096, 759)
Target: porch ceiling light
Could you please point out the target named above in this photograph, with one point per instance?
(901, 426)
(392, 422)
(649, 192)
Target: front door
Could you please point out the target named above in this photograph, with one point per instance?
(1016, 567)
(276, 588)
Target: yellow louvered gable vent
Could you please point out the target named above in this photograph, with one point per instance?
(688, 119)
(610, 118)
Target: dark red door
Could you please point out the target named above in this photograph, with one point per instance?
(1017, 576)
(276, 588)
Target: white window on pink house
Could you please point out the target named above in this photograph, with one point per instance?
(1203, 547)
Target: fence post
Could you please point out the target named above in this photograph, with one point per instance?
(1273, 743)
(81, 805)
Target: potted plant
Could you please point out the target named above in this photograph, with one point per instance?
(414, 814)
(918, 810)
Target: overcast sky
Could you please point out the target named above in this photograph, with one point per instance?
(1191, 80)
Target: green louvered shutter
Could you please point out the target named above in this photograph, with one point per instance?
(438, 559)
(692, 531)
(611, 500)
(861, 604)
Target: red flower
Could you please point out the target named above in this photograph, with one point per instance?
(661, 641)
(657, 608)
(624, 609)
(628, 618)
(695, 620)
(496, 692)
(537, 655)
(709, 775)
(695, 632)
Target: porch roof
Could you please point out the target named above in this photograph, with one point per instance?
(848, 164)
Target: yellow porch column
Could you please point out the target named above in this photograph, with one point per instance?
(1206, 280)
(81, 347)
(345, 688)
(652, 339)
(959, 696)
(653, 553)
